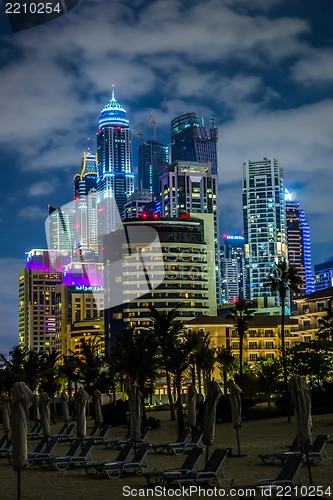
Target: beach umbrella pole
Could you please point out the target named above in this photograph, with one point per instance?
(308, 464)
(238, 445)
(18, 485)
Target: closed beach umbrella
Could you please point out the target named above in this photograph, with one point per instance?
(81, 401)
(213, 395)
(35, 408)
(235, 403)
(301, 399)
(65, 407)
(44, 410)
(21, 397)
(97, 399)
(136, 412)
(5, 413)
(191, 406)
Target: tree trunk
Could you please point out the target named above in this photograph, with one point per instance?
(169, 389)
(241, 337)
(225, 380)
(284, 363)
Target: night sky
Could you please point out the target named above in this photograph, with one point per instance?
(263, 67)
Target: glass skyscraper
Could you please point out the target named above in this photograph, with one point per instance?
(85, 215)
(298, 239)
(264, 215)
(153, 158)
(115, 181)
(193, 141)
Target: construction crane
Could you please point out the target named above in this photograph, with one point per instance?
(151, 120)
(140, 133)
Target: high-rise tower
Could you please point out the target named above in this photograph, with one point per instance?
(115, 181)
(85, 217)
(232, 268)
(192, 141)
(298, 239)
(264, 214)
(153, 157)
(190, 188)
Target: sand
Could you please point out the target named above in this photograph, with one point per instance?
(260, 436)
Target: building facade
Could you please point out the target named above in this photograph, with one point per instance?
(85, 245)
(153, 158)
(38, 283)
(264, 215)
(262, 340)
(310, 309)
(115, 181)
(232, 268)
(323, 276)
(298, 240)
(188, 282)
(190, 189)
(194, 142)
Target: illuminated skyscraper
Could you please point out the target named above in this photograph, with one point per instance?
(232, 268)
(153, 158)
(115, 181)
(194, 142)
(264, 214)
(323, 276)
(85, 218)
(298, 239)
(190, 188)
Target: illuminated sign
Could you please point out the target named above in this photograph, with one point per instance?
(84, 288)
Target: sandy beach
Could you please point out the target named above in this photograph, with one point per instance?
(256, 436)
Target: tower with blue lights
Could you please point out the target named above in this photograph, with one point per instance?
(115, 181)
(298, 239)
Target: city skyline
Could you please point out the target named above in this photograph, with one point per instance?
(269, 90)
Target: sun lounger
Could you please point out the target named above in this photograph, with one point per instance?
(5, 450)
(189, 465)
(118, 443)
(4, 441)
(317, 452)
(65, 433)
(287, 476)
(46, 461)
(46, 454)
(101, 436)
(281, 455)
(209, 475)
(173, 447)
(136, 466)
(79, 458)
(94, 468)
(35, 432)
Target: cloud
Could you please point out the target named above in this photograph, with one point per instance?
(9, 271)
(315, 68)
(32, 212)
(43, 187)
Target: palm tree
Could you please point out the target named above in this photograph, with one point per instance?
(226, 363)
(90, 362)
(326, 323)
(241, 316)
(134, 355)
(166, 330)
(284, 279)
(269, 373)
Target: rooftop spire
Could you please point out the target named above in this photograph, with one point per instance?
(113, 97)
